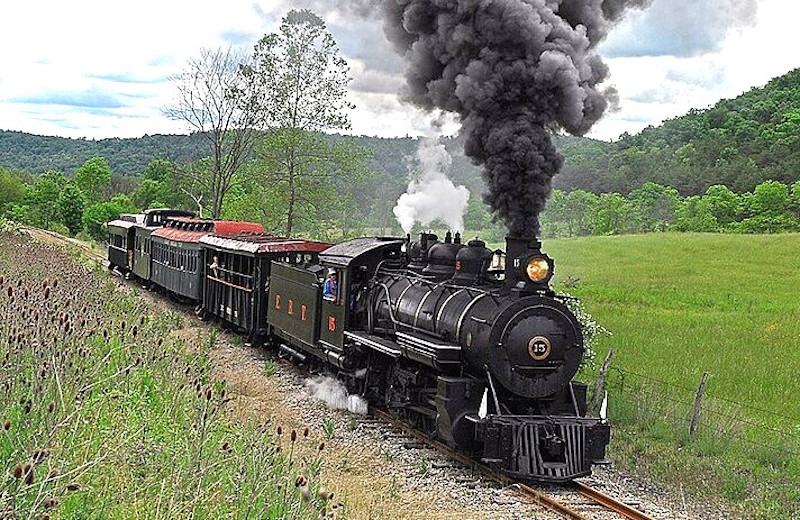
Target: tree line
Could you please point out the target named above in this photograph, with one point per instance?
(772, 207)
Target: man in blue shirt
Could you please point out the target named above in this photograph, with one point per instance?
(330, 291)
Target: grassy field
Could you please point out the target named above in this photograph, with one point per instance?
(107, 413)
(679, 305)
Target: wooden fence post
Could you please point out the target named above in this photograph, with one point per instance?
(698, 403)
(600, 383)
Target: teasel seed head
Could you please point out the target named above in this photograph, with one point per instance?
(294, 435)
(73, 486)
(321, 446)
(323, 494)
(17, 471)
(305, 432)
(51, 407)
(50, 503)
(29, 474)
(279, 431)
(6, 426)
(39, 455)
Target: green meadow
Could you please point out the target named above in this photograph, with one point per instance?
(679, 305)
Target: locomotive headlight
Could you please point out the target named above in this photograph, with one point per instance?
(538, 269)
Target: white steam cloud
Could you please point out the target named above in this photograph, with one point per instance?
(431, 195)
(333, 393)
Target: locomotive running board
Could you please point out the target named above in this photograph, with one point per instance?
(439, 355)
(375, 342)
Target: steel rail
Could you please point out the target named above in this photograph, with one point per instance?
(532, 494)
(611, 503)
(526, 491)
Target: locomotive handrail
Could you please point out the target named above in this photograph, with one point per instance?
(446, 283)
(402, 294)
(391, 313)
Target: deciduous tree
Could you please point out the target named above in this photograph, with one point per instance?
(43, 197)
(70, 208)
(92, 178)
(723, 203)
(214, 100)
(300, 81)
(12, 190)
(654, 206)
(613, 215)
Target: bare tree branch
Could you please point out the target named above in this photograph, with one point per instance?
(214, 100)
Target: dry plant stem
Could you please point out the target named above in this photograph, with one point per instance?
(58, 382)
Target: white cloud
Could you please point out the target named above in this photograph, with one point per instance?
(653, 89)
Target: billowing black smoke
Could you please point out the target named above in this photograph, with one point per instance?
(514, 70)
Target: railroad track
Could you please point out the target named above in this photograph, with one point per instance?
(573, 501)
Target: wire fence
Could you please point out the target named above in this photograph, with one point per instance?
(669, 410)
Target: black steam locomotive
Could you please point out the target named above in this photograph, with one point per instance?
(468, 344)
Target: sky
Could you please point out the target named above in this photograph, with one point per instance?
(100, 69)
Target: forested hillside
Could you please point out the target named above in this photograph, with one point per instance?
(35, 154)
(738, 142)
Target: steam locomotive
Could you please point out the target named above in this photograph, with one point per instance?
(468, 344)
